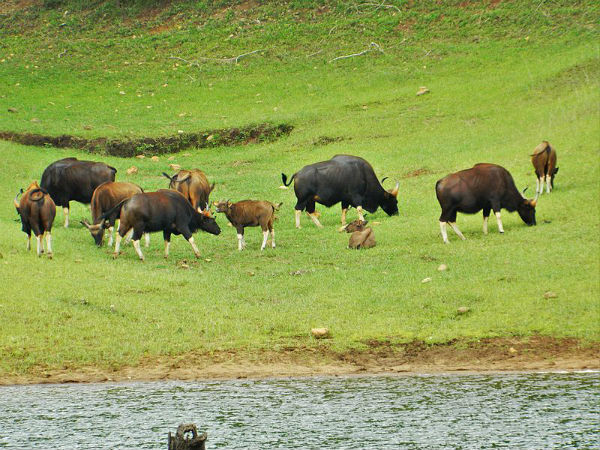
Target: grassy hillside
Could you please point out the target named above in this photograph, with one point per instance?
(502, 77)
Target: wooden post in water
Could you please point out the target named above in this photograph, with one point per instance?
(186, 438)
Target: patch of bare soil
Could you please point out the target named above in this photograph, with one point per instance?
(488, 355)
(11, 6)
(417, 173)
(156, 146)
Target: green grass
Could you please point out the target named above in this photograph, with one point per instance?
(502, 78)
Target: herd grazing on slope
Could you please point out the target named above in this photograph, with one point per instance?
(185, 207)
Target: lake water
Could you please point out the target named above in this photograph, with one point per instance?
(500, 411)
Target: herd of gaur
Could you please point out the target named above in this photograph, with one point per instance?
(185, 208)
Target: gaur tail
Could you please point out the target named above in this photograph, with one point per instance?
(284, 179)
(116, 209)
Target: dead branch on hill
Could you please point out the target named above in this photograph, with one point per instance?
(233, 60)
(372, 47)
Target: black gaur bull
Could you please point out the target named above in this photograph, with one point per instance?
(164, 210)
(37, 211)
(71, 179)
(344, 178)
(106, 197)
(484, 187)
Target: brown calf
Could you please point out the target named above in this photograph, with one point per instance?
(107, 196)
(194, 186)
(543, 159)
(37, 211)
(250, 213)
(362, 236)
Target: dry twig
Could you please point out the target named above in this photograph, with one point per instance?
(372, 46)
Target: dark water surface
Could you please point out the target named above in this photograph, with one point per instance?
(508, 411)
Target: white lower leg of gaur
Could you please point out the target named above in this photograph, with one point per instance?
(240, 241)
(128, 236)
(444, 232)
(359, 210)
(272, 238)
(66, 214)
(193, 244)
(265, 237)
(49, 244)
(147, 239)
(297, 215)
(313, 217)
(111, 235)
(29, 242)
(457, 231)
(117, 244)
(40, 248)
(500, 228)
(548, 187)
(485, 224)
(167, 243)
(343, 227)
(541, 185)
(537, 185)
(138, 250)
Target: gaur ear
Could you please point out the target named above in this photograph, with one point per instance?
(555, 171)
(212, 186)
(215, 203)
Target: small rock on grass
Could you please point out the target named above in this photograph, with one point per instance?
(463, 310)
(132, 170)
(442, 267)
(140, 156)
(13, 110)
(320, 333)
(174, 166)
(512, 350)
(550, 294)
(155, 158)
(426, 280)
(422, 90)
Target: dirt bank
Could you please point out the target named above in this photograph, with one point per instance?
(155, 145)
(489, 355)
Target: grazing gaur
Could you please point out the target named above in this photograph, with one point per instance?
(362, 236)
(107, 196)
(71, 179)
(483, 187)
(543, 159)
(344, 178)
(164, 210)
(250, 213)
(37, 211)
(194, 186)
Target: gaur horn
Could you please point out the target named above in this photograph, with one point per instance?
(394, 191)
(383, 179)
(85, 223)
(16, 197)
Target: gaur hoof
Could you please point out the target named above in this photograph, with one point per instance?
(115, 255)
(50, 255)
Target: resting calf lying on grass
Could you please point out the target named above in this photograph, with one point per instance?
(250, 213)
(362, 236)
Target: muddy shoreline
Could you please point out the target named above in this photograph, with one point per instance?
(129, 147)
(489, 355)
